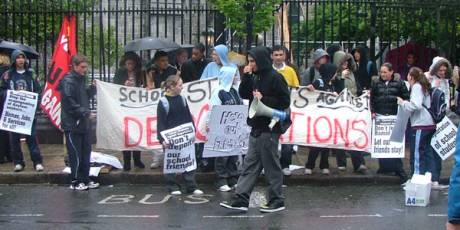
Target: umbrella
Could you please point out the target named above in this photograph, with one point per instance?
(151, 43)
(9, 47)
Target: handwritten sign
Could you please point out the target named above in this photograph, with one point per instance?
(19, 111)
(180, 153)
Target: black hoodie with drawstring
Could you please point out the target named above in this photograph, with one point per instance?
(272, 86)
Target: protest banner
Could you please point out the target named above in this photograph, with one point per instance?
(180, 153)
(126, 116)
(326, 120)
(19, 111)
(228, 132)
(382, 147)
(443, 140)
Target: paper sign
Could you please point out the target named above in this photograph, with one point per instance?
(180, 154)
(443, 140)
(19, 111)
(382, 147)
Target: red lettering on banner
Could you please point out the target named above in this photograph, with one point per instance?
(126, 129)
(343, 134)
(203, 111)
(316, 131)
(291, 129)
(151, 132)
(366, 138)
(308, 130)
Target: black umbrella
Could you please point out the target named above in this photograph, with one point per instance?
(9, 47)
(151, 43)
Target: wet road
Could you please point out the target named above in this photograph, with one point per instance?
(148, 207)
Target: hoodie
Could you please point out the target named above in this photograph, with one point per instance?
(20, 81)
(272, 86)
(365, 68)
(345, 81)
(212, 69)
(437, 82)
(420, 118)
(306, 76)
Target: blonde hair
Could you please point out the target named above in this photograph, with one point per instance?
(171, 81)
(4, 60)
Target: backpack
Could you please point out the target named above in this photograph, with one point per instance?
(438, 105)
(165, 103)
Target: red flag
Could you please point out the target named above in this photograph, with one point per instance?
(65, 48)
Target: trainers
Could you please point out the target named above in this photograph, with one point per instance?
(342, 168)
(18, 168)
(235, 204)
(362, 169)
(308, 172)
(286, 172)
(436, 186)
(93, 185)
(325, 171)
(177, 192)
(79, 187)
(273, 206)
(155, 165)
(39, 167)
(198, 192)
(225, 188)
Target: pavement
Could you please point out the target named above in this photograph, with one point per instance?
(310, 207)
(54, 164)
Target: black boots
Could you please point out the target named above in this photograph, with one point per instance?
(127, 160)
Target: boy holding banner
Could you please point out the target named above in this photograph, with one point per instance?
(20, 77)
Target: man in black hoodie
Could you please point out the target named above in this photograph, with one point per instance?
(262, 81)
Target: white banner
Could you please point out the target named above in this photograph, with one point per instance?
(19, 111)
(180, 153)
(126, 116)
(228, 132)
(382, 147)
(326, 120)
(443, 140)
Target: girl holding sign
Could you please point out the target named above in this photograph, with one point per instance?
(171, 113)
(226, 167)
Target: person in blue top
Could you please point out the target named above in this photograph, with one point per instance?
(220, 59)
(453, 203)
(226, 94)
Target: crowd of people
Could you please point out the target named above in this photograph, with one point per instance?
(268, 77)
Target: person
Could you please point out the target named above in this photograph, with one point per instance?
(439, 76)
(220, 58)
(226, 167)
(181, 58)
(422, 124)
(159, 70)
(178, 114)
(345, 79)
(192, 69)
(365, 67)
(261, 81)
(130, 74)
(453, 200)
(5, 155)
(384, 101)
(411, 61)
(279, 64)
(75, 122)
(311, 74)
(20, 77)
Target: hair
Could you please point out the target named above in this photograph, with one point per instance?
(200, 47)
(388, 65)
(133, 57)
(410, 53)
(181, 51)
(417, 75)
(77, 59)
(4, 59)
(159, 54)
(279, 48)
(171, 81)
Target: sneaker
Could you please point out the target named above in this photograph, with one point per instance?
(39, 167)
(93, 185)
(286, 172)
(155, 165)
(362, 169)
(342, 168)
(436, 186)
(273, 206)
(177, 192)
(225, 188)
(325, 171)
(235, 204)
(18, 168)
(139, 164)
(308, 172)
(198, 192)
(262, 172)
(79, 187)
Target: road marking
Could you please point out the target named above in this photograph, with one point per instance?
(437, 215)
(244, 216)
(351, 216)
(128, 216)
(21, 215)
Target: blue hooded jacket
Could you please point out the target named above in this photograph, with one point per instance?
(20, 81)
(453, 203)
(212, 69)
(223, 94)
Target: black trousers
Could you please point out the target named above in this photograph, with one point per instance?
(32, 144)
(5, 150)
(313, 155)
(286, 155)
(357, 158)
(79, 150)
